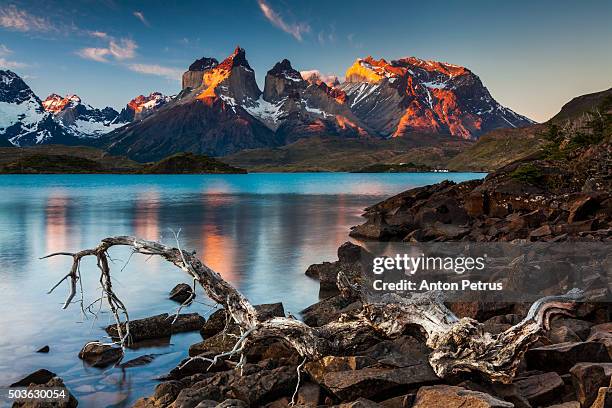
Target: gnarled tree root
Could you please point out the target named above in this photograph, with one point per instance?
(458, 345)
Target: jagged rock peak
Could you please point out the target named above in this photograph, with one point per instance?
(237, 59)
(284, 69)
(430, 65)
(55, 103)
(203, 64)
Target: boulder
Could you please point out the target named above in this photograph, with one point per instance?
(360, 403)
(371, 381)
(561, 357)
(68, 402)
(448, 396)
(217, 344)
(187, 322)
(41, 376)
(581, 208)
(587, 378)
(181, 293)
(328, 310)
(189, 367)
(402, 401)
(100, 355)
(330, 364)
(269, 310)
(215, 323)
(256, 386)
(231, 403)
(144, 329)
(349, 252)
(541, 389)
(581, 328)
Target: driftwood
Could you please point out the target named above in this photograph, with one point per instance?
(458, 345)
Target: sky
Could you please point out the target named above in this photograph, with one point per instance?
(533, 56)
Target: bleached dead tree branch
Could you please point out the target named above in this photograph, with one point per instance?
(459, 345)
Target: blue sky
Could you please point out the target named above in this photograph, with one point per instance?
(533, 56)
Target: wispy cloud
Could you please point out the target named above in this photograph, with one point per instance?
(152, 69)
(121, 49)
(5, 63)
(98, 34)
(295, 29)
(140, 15)
(17, 19)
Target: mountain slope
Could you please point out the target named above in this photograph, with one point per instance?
(413, 95)
(23, 120)
(82, 120)
(503, 146)
(295, 108)
(208, 118)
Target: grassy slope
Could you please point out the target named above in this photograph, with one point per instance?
(107, 163)
(58, 159)
(503, 146)
(336, 154)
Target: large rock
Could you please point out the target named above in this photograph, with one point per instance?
(541, 389)
(68, 402)
(37, 377)
(328, 310)
(372, 381)
(217, 321)
(187, 322)
(588, 378)
(144, 329)
(100, 355)
(331, 364)
(561, 357)
(255, 386)
(456, 397)
(181, 293)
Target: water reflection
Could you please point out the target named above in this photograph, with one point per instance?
(259, 231)
(146, 212)
(56, 234)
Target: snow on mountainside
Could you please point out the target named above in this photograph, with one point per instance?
(411, 94)
(80, 119)
(23, 120)
(143, 106)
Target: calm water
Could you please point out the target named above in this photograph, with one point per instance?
(260, 231)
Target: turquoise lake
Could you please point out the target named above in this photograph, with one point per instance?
(259, 231)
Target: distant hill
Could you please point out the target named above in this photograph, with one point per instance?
(339, 154)
(503, 146)
(189, 163)
(58, 159)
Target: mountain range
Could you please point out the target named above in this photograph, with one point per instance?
(220, 109)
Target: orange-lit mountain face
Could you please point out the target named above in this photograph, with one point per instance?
(221, 110)
(55, 103)
(142, 106)
(413, 95)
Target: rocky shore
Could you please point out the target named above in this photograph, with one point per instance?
(561, 194)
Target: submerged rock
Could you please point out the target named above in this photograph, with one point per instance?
(44, 379)
(100, 355)
(147, 328)
(181, 293)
